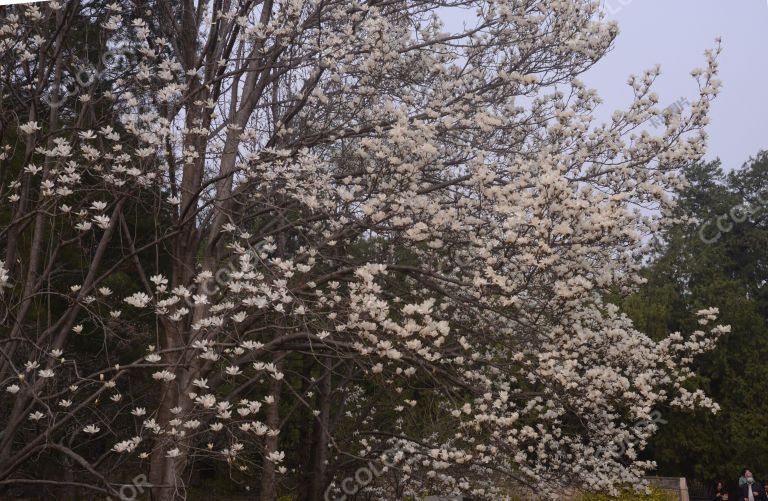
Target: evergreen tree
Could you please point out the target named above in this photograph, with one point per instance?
(715, 256)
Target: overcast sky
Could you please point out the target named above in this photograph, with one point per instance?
(674, 33)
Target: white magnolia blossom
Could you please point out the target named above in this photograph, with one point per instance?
(4, 277)
(404, 235)
(127, 445)
(164, 375)
(139, 300)
(29, 127)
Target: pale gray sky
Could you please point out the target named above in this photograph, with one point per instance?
(674, 33)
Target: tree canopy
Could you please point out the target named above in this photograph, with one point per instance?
(269, 245)
(715, 256)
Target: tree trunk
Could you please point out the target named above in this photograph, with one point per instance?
(165, 472)
(320, 450)
(268, 477)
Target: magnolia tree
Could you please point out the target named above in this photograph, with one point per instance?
(327, 247)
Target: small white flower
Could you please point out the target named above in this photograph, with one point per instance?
(14, 388)
(4, 277)
(139, 300)
(200, 383)
(210, 355)
(252, 345)
(45, 373)
(101, 221)
(198, 299)
(32, 169)
(139, 411)
(91, 429)
(36, 416)
(158, 280)
(173, 453)
(65, 403)
(206, 401)
(29, 128)
(164, 375)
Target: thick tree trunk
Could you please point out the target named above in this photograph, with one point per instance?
(162, 471)
(165, 473)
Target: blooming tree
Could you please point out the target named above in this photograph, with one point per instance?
(287, 238)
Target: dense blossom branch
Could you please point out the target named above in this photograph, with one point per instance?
(336, 221)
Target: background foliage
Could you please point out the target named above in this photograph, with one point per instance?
(692, 269)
